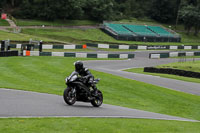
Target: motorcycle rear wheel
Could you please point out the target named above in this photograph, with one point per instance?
(68, 96)
(98, 100)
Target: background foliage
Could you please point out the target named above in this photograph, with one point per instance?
(165, 11)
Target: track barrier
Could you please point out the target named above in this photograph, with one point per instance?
(172, 71)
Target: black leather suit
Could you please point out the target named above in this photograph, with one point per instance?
(85, 73)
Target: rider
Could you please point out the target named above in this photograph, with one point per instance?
(86, 74)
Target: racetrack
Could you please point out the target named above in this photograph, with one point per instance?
(115, 67)
(16, 103)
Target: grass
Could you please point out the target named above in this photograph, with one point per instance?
(47, 74)
(59, 50)
(189, 66)
(133, 50)
(4, 22)
(85, 50)
(67, 50)
(22, 22)
(116, 50)
(21, 37)
(187, 57)
(91, 125)
(141, 71)
(80, 36)
(82, 50)
(190, 39)
(79, 50)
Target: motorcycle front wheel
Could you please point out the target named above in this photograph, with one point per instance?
(98, 99)
(69, 96)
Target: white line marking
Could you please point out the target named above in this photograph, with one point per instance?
(126, 117)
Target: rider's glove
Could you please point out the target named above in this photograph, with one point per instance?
(84, 79)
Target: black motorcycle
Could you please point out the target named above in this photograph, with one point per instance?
(78, 90)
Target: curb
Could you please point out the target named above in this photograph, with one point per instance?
(172, 54)
(144, 47)
(58, 46)
(108, 46)
(78, 55)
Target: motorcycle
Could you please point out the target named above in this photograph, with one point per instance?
(78, 90)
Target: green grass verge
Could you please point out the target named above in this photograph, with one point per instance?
(141, 71)
(190, 39)
(81, 36)
(188, 66)
(60, 50)
(92, 35)
(4, 22)
(116, 50)
(21, 22)
(186, 57)
(21, 37)
(95, 125)
(77, 50)
(82, 50)
(67, 50)
(47, 74)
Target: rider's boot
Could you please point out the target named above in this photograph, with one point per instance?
(95, 92)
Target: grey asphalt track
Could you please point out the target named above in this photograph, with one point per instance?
(115, 67)
(16, 103)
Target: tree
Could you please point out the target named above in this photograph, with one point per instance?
(138, 8)
(193, 2)
(69, 9)
(2, 3)
(197, 22)
(191, 18)
(178, 6)
(100, 9)
(163, 10)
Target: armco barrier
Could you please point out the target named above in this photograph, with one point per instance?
(172, 54)
(172, 71)
(143, 47)
(58, 46)
(158, 55)
(113, 46)
(8, 53)
(81, 55)
(196, 53)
